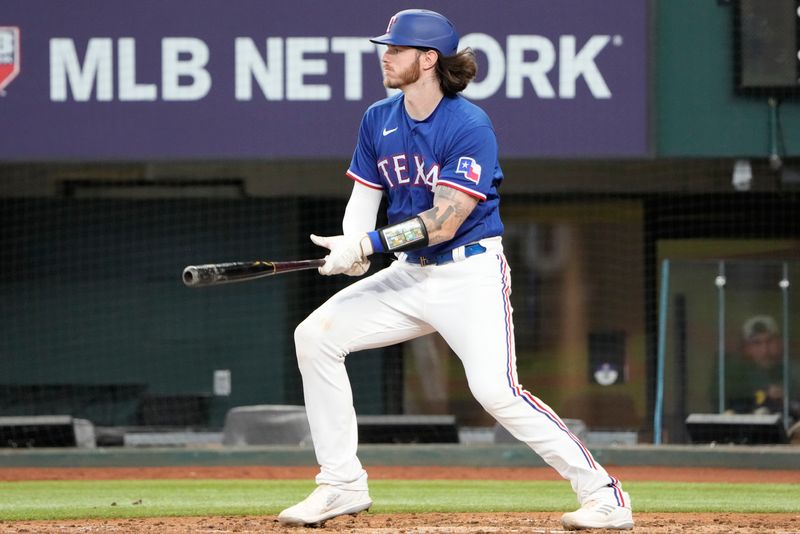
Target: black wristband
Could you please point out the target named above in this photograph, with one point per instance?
(406, 235)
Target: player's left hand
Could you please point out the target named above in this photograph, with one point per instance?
(347, 254)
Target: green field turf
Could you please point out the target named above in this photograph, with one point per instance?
(142, 498)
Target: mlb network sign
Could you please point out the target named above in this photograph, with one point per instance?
(248, 79)
(9, 55)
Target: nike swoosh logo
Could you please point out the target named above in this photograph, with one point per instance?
(387, 132)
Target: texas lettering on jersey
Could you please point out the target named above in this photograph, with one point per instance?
(399, 170)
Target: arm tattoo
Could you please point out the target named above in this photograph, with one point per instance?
(450, 209)
(437, 219)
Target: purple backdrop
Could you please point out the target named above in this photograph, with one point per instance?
(598, 111)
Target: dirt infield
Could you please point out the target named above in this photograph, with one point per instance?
(501, 523)
(435, 523)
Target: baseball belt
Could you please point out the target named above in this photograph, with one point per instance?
(457, 254)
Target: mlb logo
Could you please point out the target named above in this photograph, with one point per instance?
(9, 55)
(469, 168)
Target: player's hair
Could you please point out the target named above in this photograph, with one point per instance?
(455, 72)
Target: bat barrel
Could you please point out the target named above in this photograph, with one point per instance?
(189, 276)
(198, 275)
(225, 273)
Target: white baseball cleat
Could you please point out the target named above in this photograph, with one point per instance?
(599, 514)
(324, 503)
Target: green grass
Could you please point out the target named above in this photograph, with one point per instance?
(142, 498)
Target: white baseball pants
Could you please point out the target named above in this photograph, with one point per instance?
(467, 302)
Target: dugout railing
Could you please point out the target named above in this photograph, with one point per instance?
(727, 368)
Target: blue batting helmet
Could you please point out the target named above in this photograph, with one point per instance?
(422, 29)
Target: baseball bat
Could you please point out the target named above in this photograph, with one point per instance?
(214, 274)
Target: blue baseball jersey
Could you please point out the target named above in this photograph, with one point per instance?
(454, 147)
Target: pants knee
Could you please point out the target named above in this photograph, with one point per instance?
(312, 343)
(306, 338)
(493, 399)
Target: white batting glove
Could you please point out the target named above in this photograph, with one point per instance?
(347, 254)
(359, 268)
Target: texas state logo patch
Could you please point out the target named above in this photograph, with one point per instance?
(469, 168)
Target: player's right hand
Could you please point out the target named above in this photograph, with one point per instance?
(346, 254)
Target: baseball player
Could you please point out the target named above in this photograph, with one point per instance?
(433, 155)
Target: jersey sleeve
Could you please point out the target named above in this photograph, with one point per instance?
(470, 164)
(363, 166)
